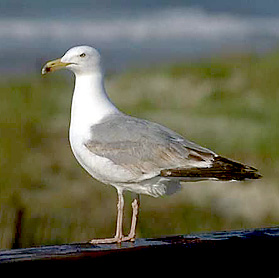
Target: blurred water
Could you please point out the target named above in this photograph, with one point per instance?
(132, 32)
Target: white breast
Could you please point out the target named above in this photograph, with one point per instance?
(98, 167)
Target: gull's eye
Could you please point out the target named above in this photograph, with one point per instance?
(82, 55)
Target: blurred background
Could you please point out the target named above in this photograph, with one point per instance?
(207, 69)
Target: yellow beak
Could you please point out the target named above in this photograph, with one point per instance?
(53, 66)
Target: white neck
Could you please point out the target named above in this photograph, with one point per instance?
(90, 102)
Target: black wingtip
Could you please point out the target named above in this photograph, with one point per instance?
(222, 169)
(235, 170)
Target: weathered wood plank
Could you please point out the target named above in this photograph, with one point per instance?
(252, 252)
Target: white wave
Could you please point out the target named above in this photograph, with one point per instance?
(170, 24)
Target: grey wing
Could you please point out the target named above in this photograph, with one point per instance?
(145, 147)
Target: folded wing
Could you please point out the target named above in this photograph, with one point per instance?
(149, 149)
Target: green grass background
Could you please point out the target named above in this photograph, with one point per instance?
(227, 103)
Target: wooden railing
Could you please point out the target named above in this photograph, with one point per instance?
(244, 253)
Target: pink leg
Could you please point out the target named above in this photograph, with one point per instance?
(135, 206)
(118, 234)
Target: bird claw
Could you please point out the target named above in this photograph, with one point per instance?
(112, 240)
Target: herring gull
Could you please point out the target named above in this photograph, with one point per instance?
(131, 153)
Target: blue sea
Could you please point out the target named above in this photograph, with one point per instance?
(133, 33)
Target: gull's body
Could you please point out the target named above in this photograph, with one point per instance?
(130, 153)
